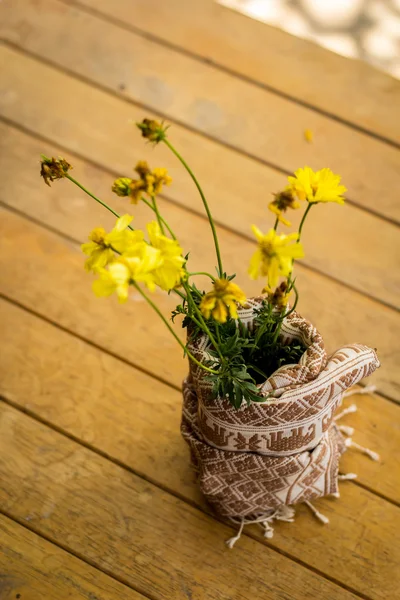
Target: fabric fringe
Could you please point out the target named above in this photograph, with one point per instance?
(282, 513)
(368, 389)
(287, 513)
(349, 431)
(316, 513)
(373, 455)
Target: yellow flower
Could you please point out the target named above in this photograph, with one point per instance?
(140, 268)
(319, 186)
(170, 272)
(221, 301)
(150, 182)
(282, 202)
(143, 261)
(115, 279)
(161, 178)
(274, 255)
(136, 188)
(102, 245)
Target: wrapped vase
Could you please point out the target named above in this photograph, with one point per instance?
(257, 460)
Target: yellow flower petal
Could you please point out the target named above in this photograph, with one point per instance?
(274, 255)
(318, 186)
(221, 301)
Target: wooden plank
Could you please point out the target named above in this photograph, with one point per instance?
(43, 363)
(171, 549)
(230, 110)
(133, 529)
(33, 569)
(62, 109)
(34, 277)
(350, 90)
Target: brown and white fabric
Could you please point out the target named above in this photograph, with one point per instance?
(284, 449)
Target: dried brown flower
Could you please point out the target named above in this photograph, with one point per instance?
(53, 168)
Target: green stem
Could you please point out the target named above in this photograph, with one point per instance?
(299, 237)
(202, 273)
(276, 224)
(95, 198)
(202, 321)
(182, 345)
(159, 217)
(179, 294)
(160, 223)
(207, 209)
(278, 328)
(302, 220)
(217, 333)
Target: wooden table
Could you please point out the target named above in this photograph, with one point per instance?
(97, 496)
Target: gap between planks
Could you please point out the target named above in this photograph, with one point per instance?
(119, 464)
(185, 208)
(229, 71)
(77, 555)
(130, 101)
(104, 454)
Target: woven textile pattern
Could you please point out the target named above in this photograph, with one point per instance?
(281, 451)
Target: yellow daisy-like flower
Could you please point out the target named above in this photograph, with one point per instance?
(115, 279)
(122, 272)
(317, 186)
(221, 301)
(274, 255)
(170, 272)
(102, 245)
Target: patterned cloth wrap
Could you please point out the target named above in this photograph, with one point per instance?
(282, 451)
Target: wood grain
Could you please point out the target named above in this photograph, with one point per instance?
(62, 109)
(296, 68)
(142, 534)
(167, 547)
(46, 274)
(270, 128)
(85, 392)
(32, 568)
(97, 490)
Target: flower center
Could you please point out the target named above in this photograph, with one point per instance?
(220, 288)
(267, 249)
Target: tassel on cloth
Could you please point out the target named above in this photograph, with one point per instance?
(350, 409)
(316, 513)
(373, 455)
(368, 389)
(282, 513)
(347, 476)
(349, 431)
(346, 430)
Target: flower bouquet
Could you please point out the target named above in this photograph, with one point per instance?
(260, 398)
